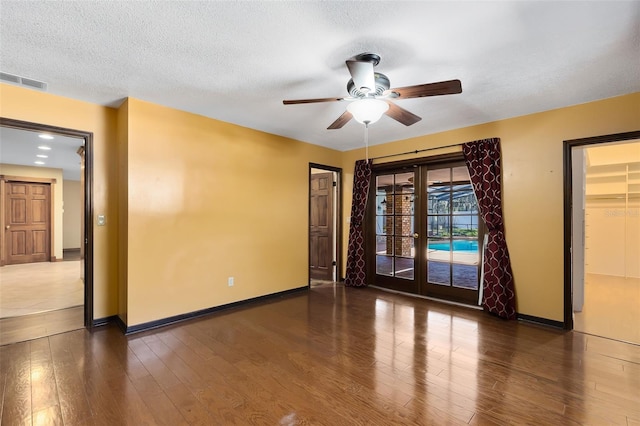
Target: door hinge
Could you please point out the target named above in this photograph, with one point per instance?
(333, 263)
(335, 183)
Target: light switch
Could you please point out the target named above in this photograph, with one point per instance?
(101, 220)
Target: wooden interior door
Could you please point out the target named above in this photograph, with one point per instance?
(28, 222)
(321, 227)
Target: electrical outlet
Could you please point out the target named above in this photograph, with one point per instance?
(230, 281)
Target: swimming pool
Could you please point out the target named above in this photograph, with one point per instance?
(458, 245)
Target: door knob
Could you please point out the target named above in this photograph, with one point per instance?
(415, 235)
(8, 226)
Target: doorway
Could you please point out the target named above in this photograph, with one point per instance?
(324, 226)
(54, 293)
(425, 229)
(604, 232)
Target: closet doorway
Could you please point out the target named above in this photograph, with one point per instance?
(605, 236)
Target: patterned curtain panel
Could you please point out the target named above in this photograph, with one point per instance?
(356, 276)
(483, 161)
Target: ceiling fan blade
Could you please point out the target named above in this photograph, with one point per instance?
(311, 101)
(362, 75)
(402, 115)
(449, 87)
(341, 121)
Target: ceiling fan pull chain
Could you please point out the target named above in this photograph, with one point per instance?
(366, 141)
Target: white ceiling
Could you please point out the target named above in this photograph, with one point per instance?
(21, 147)
(237, 61)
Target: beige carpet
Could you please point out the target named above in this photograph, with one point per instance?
(39, 287)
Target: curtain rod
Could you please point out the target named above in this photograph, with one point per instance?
(416, 151)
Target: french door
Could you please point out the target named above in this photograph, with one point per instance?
(427, 230)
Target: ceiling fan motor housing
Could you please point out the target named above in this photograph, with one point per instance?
(381, 82)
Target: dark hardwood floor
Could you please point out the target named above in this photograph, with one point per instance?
(329, 356)
(29, 327)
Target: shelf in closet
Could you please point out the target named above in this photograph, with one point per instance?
(603, 197)
(613, 182)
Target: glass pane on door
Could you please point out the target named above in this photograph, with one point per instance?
(438, 273)
(465, 276)
(395, 209)
(438, 226)
(453, 256)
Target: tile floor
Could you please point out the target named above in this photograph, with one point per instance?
(611, 309)
(39, 287)
(40, 299)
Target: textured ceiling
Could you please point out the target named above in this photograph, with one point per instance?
(237, 61)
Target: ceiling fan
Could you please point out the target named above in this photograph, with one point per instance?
(370, 95)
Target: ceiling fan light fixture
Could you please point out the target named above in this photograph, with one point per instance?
(367, 111)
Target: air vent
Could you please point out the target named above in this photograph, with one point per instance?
(9, 77)
(23, 81)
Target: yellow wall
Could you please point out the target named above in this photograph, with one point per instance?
(57, 192)
(72, 215)
(210, 200)
(123, 194)
(38, 107)
(191, 201)
(532, 186)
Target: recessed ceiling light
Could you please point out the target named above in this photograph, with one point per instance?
(45, 136)
(39, 162)
(42, 156)
(44, 147)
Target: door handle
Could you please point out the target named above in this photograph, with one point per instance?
(415, 235)
(8, 226)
